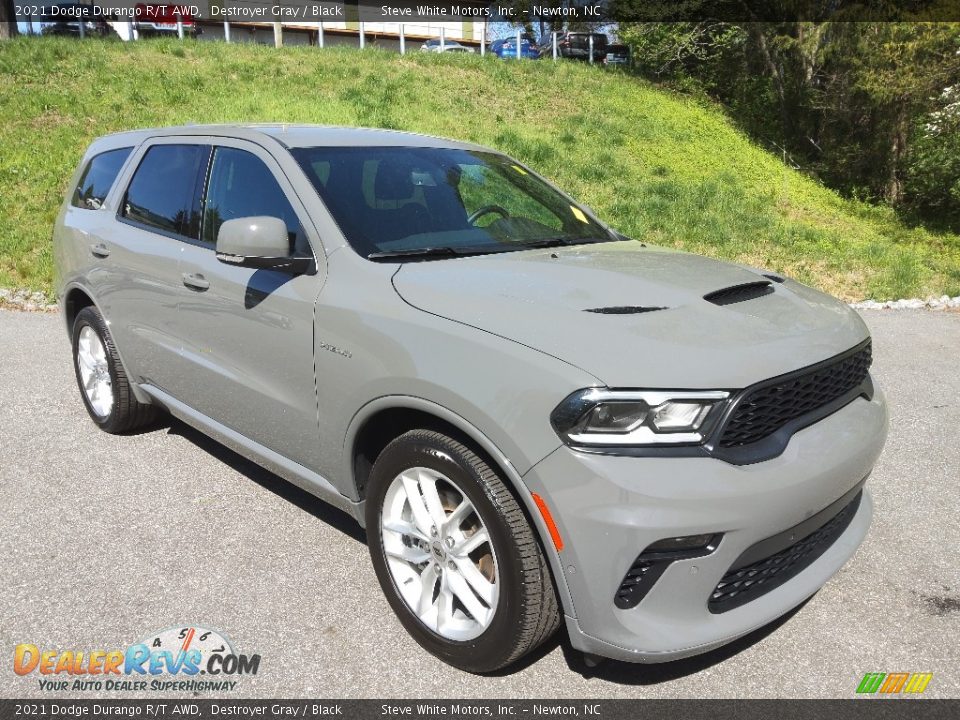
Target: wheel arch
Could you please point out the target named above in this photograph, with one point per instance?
(386, 418)
(75, 298)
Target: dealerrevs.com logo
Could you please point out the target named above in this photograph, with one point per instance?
(178, 659)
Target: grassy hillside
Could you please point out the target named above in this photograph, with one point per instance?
(654, 165)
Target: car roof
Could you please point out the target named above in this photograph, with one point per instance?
(288, 135)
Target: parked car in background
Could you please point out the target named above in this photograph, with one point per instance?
(539, 422)
(576, 45)
(437, 45)
(617, 55)
(507, 47)
(65, 19)
(156, 19)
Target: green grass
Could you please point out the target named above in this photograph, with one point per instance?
(655, 165)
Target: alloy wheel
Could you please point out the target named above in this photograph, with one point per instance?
(439, 554)
(94, 371)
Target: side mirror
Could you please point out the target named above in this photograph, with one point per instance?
(258, 242)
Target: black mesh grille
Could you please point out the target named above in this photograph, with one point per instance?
(764, 410)
(739, 293)
(747, 583)
(626, 596)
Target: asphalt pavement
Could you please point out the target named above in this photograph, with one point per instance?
(105, 540)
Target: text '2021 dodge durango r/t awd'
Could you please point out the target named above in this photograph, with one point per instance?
(535, 418)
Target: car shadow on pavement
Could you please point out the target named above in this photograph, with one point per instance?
(321, 510)
(624, 673)
(614, 671)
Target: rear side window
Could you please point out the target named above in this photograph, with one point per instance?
(98, 178)
(240, 186)
(164, 191)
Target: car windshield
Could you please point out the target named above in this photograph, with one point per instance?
(396, 202)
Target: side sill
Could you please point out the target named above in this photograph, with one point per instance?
(295, 473)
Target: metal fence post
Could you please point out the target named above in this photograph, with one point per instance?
(554, 44)
(518, 43)
(443, 38)
(179, 26)
(277, 35)
(591, 48)
(363, 38)
(320, 35)
(483, 41)
(403, 41)
(83, 29)
(226, 32)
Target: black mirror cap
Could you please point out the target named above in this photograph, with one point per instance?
(295, 265)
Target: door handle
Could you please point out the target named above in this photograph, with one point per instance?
(195, 281)
(99, 250)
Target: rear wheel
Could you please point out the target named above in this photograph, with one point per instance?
(103, 382)
(455, 555)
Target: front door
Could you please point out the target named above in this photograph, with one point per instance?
(247, 335)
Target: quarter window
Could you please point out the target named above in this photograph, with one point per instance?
(241, 185)
(98, 178)
(163, 193)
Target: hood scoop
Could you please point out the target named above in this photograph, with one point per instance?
(739, 293)
(624, 310)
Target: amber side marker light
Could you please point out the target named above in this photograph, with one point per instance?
(548, 519)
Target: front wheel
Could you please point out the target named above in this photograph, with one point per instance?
(455, 554)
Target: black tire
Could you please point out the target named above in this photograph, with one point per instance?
(527, 611)
(126, 413)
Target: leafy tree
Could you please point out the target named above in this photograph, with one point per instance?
(897, 70)
(933, 163)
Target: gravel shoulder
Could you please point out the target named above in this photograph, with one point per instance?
(107, 539)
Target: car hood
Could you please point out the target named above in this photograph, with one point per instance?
(543, 298)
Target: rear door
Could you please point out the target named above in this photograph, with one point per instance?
(248, 334)
(86, 224)
(157, 210)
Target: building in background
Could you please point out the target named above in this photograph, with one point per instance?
(347, 30)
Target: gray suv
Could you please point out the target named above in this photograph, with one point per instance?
(538, 421)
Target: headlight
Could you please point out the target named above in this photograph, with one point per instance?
(638, 417)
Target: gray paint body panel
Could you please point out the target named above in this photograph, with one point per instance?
(540, 297)
(288, 372)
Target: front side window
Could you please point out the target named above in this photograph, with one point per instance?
(391, 201)
(164, 191)
(241, 185)
(98, 178)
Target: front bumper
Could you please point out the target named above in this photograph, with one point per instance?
(609, 508)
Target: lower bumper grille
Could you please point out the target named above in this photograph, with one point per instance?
(743, 584)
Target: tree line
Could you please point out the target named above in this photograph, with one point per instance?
(871, 108)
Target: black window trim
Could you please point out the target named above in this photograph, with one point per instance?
(211, 143)
(121, 218)
(86, 169)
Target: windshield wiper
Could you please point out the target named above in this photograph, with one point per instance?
(448, 251)
(562, 241)
(416, 252)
